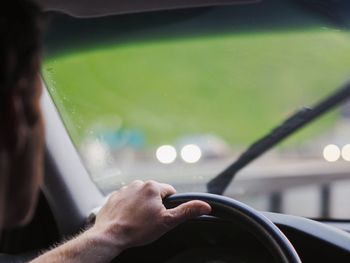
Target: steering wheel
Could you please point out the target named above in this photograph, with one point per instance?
(229, 209)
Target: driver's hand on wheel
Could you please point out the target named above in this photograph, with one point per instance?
(135, 215)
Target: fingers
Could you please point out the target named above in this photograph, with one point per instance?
(186, 211)
(166, 190)
(153, 187)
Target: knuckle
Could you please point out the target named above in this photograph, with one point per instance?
(113, 196)
(150, 187)
(114, 193)
(137, 182)
(171, 187)
(150, 183)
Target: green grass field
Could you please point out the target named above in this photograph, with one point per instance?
(235, 86)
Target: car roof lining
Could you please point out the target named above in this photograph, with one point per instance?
(94, 8)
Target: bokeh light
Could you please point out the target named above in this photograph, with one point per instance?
(331, 153)
(191, 153)
(166, 154)
(345, 152)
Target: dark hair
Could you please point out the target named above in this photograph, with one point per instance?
(21, 24)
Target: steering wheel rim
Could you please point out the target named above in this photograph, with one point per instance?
(226, 208)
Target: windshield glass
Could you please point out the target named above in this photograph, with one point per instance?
(176, 96)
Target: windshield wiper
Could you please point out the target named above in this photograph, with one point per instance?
(298, 120)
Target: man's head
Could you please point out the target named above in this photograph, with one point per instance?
(21, 129)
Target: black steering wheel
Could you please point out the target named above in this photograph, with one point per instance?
(229, 209)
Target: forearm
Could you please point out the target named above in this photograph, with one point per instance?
(90, 246)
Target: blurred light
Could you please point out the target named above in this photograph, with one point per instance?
(331, 153)
(166, 154)
(95, 153)
(345, 152)
(191, 153)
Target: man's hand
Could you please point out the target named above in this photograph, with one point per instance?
(135, 215)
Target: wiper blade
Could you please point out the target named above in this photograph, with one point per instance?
(295, 122)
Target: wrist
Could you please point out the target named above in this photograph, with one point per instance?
(102, 240)
(111, 236)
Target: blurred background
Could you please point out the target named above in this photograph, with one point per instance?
(176, 96)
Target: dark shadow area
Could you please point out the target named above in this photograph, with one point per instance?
(39, 234)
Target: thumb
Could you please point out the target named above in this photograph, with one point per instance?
(187, 211)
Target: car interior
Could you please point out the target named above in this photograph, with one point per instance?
(86, 44)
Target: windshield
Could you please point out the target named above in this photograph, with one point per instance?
(176, 96)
